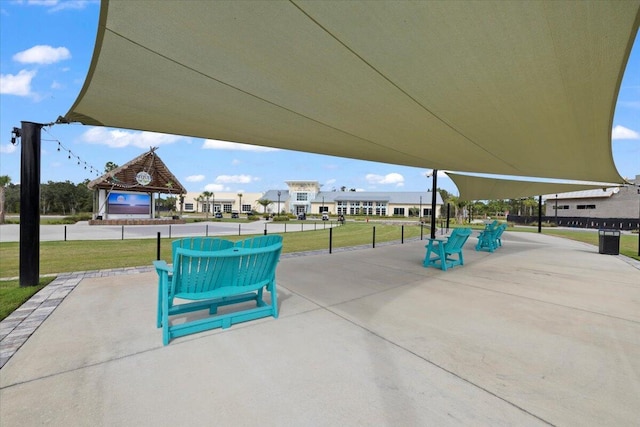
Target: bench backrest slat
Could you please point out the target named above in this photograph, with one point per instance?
(457, 239)
(250, 265)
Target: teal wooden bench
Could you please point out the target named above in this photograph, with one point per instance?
(209, 279)
(491, 237)
(194, 243)
(446, 253)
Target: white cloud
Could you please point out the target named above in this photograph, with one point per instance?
(391, 178)
(330, 181)
(56, 85)
(42, 54)
(216, 187)
(116, 138)
(235, 179)
(621, 132)
(19, 84)
(8, 148)
(213, 144)
(194, 178)
(235, 162)
(42, 2)
(57, 5)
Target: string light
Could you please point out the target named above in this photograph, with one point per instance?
(71, 155)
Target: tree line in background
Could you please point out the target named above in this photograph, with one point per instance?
(67, 198)
(487, 208)
(62, 198)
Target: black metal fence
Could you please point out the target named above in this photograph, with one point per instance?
(579, 222)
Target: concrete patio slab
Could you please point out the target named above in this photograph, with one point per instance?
(544, 331)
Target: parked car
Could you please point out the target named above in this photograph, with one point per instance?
(218, 215)
(325, 216)
(235, 215)
(302, 215)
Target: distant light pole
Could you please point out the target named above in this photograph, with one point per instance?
(322, 204)
(556, 210)
(279, 203)
(434, 189)
(213, 203)
(420, 211)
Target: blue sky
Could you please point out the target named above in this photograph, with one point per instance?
(45, 51)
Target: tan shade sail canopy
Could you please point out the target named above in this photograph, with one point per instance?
(507, 87)
(481, 188)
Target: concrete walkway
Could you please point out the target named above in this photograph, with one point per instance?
(83, 231)
(545, 331)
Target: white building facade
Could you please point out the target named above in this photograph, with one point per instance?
(306, 197)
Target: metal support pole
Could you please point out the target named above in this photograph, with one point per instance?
(539, 214)
(402, 235)
(433, 203)
(169, 230)
(158, 247)
(30, 204)
(421, 231)
(239, 232)
(123, 232)
(448, 214)
(330, 240)
(206, 230)
(374, 236)
(65, 233)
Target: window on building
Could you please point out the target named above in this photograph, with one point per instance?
(246, 208)
(302, 197)
(586, 206)
(398, 211)
(188, 206)
(226, 207)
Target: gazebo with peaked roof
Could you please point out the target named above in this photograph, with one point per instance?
(125, 195)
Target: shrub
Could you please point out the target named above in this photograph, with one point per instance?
(281, 218)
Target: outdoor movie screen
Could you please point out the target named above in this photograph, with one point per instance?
(129, 203)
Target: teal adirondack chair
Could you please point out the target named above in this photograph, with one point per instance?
(499, 232)
(491, 238)
(447, 253)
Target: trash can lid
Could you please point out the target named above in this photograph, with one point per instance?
(609, 232)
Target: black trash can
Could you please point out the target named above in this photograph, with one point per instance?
(609, 242)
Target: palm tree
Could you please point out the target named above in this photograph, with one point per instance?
(4, 181)
(264, 203)
(240, 196)
(206, 195)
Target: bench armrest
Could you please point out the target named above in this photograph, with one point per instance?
(162, 266)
